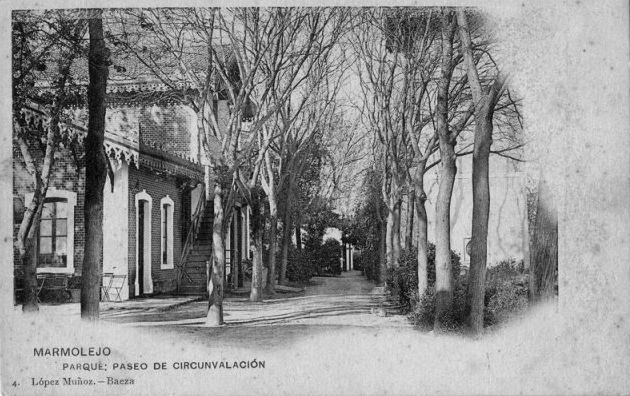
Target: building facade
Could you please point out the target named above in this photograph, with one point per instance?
(149, 207)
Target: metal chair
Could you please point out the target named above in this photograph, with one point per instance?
(106, 284)
(41, 281)
(117, 284)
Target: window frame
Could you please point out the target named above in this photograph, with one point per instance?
(166, 222)
(54, 236)
(70, 197)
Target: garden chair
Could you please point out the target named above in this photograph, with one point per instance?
(106, 284)
(41, 282)
(116, 286)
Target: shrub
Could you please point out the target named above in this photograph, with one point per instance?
(327, 257)
(506, 294)
(368, 262)
(247, 269)
(423, 312)
(402, 281)
(506, 291)
(299, 267)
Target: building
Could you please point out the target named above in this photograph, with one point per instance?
(157, 226)
(508, 235)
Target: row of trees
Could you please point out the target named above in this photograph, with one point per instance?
(280, 71)
(429, 80)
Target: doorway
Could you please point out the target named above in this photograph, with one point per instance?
(143, 282)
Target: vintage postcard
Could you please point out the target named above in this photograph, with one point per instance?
(315, 198)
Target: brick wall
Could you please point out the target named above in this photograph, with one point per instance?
(167, 126)
(157, 186)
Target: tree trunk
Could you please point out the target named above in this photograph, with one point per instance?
(256, 294)
(443, 267)
(410, 214)
(382, 252)
(423, 262)
(298, 234)
(238, 269)
(95, 172)
(481, 214)
(214, 316)
(396, 243)
(273, 245)
(443, 271)
(389, 238)
(286, 242)
(28, 257)
(484, 110)
(382, 244)
(236, 237)
(544, 253)
(26, 246)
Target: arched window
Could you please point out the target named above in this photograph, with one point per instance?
(168, 208)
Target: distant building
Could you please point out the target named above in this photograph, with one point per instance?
(508, 235)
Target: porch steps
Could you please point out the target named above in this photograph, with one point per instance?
(194, 282)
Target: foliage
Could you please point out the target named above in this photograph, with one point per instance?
(364, 229)
(402, 281)
(506, 296)
(506, 291)
(299, 267)
(367, 261)
(423, 313)
(247, 269)
(313, 261)
(317, 219)
(328, 258)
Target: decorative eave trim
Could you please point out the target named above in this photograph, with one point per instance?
(154, 158)
(116, 148)
(118, 152)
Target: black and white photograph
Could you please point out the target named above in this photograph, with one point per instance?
(320, 199)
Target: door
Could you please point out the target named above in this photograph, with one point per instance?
(140, 275)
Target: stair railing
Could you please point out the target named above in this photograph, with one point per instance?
(190, 240)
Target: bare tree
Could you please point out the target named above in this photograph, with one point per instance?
(45, 47)
(446, 139)
(485, 100)
(380, 74)
(255, 58)
(308, 114)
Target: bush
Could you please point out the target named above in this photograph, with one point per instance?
(299, 267)
(402, 281)
(327, 258)
(367, 261)
(248, 267)
(315, 260)
(423, 312)
(506, 291)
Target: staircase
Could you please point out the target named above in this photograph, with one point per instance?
(193, 280)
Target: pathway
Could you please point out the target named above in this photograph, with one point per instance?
(348, 300)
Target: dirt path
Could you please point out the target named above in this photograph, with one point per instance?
(345, 304)
(348, 300)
